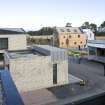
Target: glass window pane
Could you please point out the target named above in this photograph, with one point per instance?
(3, 43)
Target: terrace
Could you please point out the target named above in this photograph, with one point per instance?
(93, 93)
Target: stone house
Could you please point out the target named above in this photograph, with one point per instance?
(41, 66)
(69, 37)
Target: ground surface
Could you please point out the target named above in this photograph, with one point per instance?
(100, 37)
(89, 71)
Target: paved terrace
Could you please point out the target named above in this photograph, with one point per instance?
(72, 94)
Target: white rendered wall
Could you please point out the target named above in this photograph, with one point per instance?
(89, 34)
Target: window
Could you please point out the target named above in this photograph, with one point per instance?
(1, 57)
(64, 37)
(81, 42)
(68, 30)
(62, 30)
(75, 30)
(75, 42)
(62, 43)
(78, 36)
(69, 36)
(54, 73)
(79, 47)
(92, 50)
(3, 43)
(67, 41)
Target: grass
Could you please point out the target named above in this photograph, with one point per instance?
(77, 53)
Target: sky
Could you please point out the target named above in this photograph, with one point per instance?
(34, 14)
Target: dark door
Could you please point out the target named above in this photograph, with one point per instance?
(54, 73)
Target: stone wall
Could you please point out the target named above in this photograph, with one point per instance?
(31, 74)
(17, 42)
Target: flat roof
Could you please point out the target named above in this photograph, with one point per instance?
(5, 31)
(49, 48)
(23, 54)
(57, 54)
(96, 43)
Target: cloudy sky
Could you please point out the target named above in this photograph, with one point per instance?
(34, 14)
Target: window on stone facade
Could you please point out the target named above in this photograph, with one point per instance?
(68, 30)
(75, 42)
(78, 36)
(62, 43)
(75, 30)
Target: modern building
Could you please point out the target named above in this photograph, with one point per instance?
(69, 37)
(41, 66)
(96, 50)
(12, 39)
(89, 34)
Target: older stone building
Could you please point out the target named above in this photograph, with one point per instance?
(42, 66)
(69, 37)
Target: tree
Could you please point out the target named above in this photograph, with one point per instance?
(68, 25)
(42, 31)
(102, 25)
(93, 27)
(85, 25)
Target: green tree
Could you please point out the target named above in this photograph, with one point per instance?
(68, 24)
(102, 25)
(93, 27)
(42, 31)
(85, 25)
